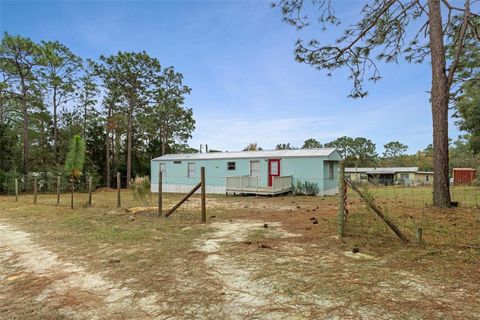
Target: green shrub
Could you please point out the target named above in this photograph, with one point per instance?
(306, 188)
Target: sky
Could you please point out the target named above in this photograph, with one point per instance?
(237, 56)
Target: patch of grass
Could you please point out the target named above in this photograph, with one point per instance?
(160, 255)
(79, 223)
(113, 234)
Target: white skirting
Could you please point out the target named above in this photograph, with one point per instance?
(185, 188)
(330, 192)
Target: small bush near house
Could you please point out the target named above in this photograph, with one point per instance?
(140, 187)
(306, 188)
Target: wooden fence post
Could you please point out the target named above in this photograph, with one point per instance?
(89, 191)
(58, 190)
(202, 179)
(119, 199)
(16, 189)
(34, 190)
(160, 190)
(418, 235)
(72, 187)
(341, 200)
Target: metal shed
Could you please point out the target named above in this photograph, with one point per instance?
(251, 172)
(463, 175)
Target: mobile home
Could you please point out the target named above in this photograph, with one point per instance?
(257, 172)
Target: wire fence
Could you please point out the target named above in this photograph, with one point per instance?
(411, 208)
(48, 183)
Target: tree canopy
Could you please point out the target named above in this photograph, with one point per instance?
(311, 144)
(126, 107)
(393, 149)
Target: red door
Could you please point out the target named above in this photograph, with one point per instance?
(273, 170)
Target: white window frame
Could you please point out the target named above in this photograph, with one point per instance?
(234, 165)
(191, 172)
(251, 171)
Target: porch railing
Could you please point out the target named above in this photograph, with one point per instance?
(281, 183)
(240, 183)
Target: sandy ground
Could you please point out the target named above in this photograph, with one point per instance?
(96, 298)
(244, 297)
(73, 292)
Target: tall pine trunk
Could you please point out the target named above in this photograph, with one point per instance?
(107, 157)
(1, 111)
(439, 100)
(129, 146)
(116, 150)
(26, 140)
(108, 145)
(55, 126)
(163, 146)
(85, 121)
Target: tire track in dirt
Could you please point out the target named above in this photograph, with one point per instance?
(71, 289)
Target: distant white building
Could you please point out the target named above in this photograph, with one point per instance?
(390, 175)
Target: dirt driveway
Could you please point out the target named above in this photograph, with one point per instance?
(256, 258)
(262, 275)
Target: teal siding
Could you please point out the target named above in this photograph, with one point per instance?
(303, 169)
(328, 182)
(216, 171)
(312, 169)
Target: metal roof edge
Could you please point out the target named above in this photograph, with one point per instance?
(247, 154)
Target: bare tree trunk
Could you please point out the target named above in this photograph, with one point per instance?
(107, 157)
(1, 111)
(26, 140)
(55, 127)
(72, 186)
(439, 97)
(85, 118)
(129, 147)
(163, 147)
(116, 151)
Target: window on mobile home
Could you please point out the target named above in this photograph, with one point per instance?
(331, 172)
(191, 170)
